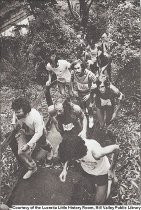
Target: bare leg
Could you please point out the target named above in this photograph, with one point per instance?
(69, 89)
(101, 194)
(109, 113)
(100, 115)
(25, 156)
(61, 87)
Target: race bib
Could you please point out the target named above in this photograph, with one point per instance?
(82, 86)
(68, 127)
(105, 102)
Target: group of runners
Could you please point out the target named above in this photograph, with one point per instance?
(87, 80)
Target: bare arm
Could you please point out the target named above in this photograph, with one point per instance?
(72, 85)
(84, 124)
(82, 118)
(99, 151)
(102, 151)
(48, 68)
(52, 114)
(56, 124)
(114, 159)
(64, 172)
(120, 98)
(48, 82)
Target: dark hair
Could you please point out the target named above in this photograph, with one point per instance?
(21, 103)
(56, 57)
(100, 47)
(76, 62)
(106, 81)
(72, 148)
(67, 107)
(66, 116)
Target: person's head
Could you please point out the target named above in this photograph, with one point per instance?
(59, 108)
(21, 106)
(72, 148)
(54, 59)
(79, 67)
(103, 83)
(63, 108)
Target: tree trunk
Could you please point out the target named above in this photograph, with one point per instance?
(84, 12)
(69, 5)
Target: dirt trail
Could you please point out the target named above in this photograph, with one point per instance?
(45, 187)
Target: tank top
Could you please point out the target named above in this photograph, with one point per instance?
(70, 124)
(108, 98)
(83, 82)
(92, 166)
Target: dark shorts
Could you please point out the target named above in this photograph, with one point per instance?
(41, 143)
(99, 180)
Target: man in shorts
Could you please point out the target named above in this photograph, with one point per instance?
(93, 160)
(84, 80)
(68, 118)
(105, 96)
(29, 133)
(60, 68)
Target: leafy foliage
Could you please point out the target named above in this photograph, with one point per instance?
(51, 31)
(124, 34)
(19, 54)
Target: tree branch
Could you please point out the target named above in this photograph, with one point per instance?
(70, 8)
(90, 5)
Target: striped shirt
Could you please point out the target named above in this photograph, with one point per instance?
(84, 82)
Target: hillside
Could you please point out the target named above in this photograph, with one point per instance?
(52, 30)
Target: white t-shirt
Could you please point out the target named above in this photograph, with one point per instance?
(90, 164)
(62, 71)
(34, 122)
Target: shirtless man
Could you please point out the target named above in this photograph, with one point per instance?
(84, 80)
(93, 160)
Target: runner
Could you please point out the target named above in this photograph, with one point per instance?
(81, 46)
(84, 79)
(105, 95)
(61, 69)
(68, 118)
(42, 76)
(30, 133)
(94, 162)
(103, 61)
(105, 40)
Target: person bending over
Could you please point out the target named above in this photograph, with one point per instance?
(30, 133)
(93, 160)
(68, 118)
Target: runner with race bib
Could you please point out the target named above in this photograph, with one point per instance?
(84, 81)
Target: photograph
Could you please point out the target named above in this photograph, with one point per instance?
(70, 104)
